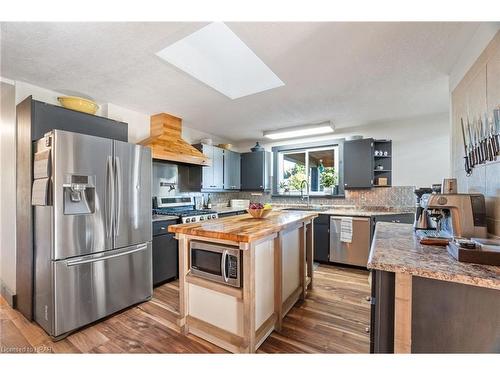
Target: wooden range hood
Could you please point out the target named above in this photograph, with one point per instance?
(166, 141)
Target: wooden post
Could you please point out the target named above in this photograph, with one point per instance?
(249, 297)
(310, 251)
(183, 286)
(302, 261)
(402, 313)
(278, 283)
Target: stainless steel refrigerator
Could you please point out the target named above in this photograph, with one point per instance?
(92, 229)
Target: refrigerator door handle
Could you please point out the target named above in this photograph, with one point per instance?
(118, 185)
(70, 263)
(110, 196)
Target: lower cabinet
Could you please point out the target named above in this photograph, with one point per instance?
(165, 253)
(322, 238)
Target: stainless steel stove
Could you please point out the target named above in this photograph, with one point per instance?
(184, 208)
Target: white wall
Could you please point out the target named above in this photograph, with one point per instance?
(420, 145)
(7, 186)
(470, 52)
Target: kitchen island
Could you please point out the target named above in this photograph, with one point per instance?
(276, 260)
(428, 302)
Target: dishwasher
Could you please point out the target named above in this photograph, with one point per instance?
(355, 252)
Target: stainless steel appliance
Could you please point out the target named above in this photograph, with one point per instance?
(92, 229)
(216, 262)
(422, 219)
(459, 215)
(354, 252)
(184, 208)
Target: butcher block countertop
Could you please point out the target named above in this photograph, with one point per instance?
(395, 248)
(243, 228)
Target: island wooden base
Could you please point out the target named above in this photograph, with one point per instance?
(240, 319)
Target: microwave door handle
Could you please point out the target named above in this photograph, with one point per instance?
(223, 266)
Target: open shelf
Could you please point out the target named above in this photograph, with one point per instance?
(382, 170)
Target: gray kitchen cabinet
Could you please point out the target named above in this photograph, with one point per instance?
(212, 177)
(322, 238)
(256, 171)
(358, 164)
(232, 170)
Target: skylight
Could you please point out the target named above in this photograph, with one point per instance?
(217, 57)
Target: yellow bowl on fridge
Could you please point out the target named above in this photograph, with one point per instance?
(78, 104)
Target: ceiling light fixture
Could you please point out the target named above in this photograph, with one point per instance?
(301, 131)
(217, 57)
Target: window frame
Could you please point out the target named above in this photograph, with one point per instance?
(306, 148)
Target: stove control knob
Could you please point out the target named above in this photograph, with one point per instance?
(208, 217)
(202, 218)
(188, 220)
(214, 216)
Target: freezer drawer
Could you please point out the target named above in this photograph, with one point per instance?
(356, 252)
(92, 287)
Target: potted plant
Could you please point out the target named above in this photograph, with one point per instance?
(328, 179)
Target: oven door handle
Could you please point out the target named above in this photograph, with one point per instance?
(223, 265)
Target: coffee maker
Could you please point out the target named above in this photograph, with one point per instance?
(422, 220)
(459, 215)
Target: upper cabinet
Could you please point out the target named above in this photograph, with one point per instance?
(367, 163)
(256, 171)
(232, 170)
(358, 164)
(224, 171)
(212, 177)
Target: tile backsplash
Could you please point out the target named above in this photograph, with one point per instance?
(165, 183)
(390, 197)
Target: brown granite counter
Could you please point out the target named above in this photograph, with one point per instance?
(396, 249)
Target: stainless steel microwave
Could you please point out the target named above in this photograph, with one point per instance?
(218, 263)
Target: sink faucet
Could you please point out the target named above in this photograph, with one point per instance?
(304, 182)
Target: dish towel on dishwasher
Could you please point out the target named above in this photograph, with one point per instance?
(346, 229)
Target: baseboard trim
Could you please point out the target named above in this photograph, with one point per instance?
(7, 294)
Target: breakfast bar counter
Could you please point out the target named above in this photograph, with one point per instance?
(395, 248)
(428, 302)
(237, 303)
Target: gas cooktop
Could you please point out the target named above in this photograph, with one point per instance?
(187, 215)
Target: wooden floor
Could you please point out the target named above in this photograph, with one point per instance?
(333, 319)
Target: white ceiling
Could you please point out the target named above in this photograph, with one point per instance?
(351, 73)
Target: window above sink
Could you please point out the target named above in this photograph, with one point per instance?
(312, 169)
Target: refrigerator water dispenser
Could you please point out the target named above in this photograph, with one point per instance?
(79, 195)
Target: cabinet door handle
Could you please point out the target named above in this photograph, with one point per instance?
(163, 228)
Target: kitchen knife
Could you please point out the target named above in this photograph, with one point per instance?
(482, 137)
(492, 152)
(496, 117)
(477, 143)
(468, 167)
(472, 155)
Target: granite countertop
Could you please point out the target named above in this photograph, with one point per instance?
(164, 217)
(395, 248)
(243, 228)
